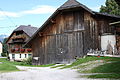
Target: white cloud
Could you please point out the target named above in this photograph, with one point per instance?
(41, 9)
(95, 8)
(44, 9)
(10, 14)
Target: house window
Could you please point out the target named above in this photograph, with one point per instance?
(29, 55)
(25, 55)
(13, 56)
(20, 55)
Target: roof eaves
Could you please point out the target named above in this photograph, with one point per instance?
(105, 14)
(9, 37)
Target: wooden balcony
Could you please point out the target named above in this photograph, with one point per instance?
(18, 39)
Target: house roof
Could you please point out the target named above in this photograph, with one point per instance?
(29, 30)
(69, 5)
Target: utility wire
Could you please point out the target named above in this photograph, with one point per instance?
(8, 26)
(7, 17)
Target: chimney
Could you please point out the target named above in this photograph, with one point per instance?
(29, 25)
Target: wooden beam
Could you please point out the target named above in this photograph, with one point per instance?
(114, 23)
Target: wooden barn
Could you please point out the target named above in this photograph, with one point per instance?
(70, 32)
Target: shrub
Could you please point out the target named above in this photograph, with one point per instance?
(3, 54)
(28, 61)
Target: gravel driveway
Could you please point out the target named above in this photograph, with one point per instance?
(42, 73)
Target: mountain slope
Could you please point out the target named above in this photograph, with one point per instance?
(2, 36)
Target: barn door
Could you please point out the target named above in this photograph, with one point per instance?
(61, 48)
(75, 45)
(78, 44)
(69, 46)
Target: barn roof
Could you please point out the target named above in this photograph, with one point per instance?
(107, 15)
(73, 4)
(29, 30)
(70, 4)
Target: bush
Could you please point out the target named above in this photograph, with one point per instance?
(28, 61)
(4, 54)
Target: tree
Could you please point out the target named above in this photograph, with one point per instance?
(5, 48)
(111, 7)
(118, 1)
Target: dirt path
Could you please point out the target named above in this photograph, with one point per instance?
(43, 73)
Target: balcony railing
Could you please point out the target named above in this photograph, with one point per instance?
(19, 38)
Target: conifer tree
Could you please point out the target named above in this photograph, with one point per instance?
(111, 7)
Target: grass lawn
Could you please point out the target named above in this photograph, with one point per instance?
(90, 58)
(8, 66)
(112, 69)
(4, 60)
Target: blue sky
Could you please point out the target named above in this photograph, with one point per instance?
(34, 12)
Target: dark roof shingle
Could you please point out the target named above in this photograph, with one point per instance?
(29, 30)
(70, 3)
(106, 14)
(73, 4)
